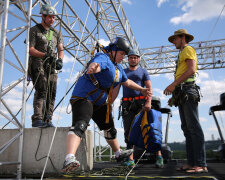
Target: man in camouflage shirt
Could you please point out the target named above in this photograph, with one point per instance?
(43, 63)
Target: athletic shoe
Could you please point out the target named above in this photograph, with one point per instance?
(124, 155)
(129, 163)
(70, 165)
(159, 162)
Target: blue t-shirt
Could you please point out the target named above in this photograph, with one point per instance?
(105, 78)
(139, 76)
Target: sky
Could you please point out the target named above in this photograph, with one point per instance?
(152, 22)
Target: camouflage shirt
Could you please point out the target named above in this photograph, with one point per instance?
(39, 41)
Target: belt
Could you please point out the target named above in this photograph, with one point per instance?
(133, 98)
(188, 83)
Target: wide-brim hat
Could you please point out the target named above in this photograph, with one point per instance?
(181, 32)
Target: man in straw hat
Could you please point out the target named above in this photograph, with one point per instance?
(185, 95)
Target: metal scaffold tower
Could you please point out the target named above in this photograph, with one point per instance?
(9, 59)
(82, 27)
(104, 19)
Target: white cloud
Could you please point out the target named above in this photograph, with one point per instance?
(201, 76)
(202, 119)
(29, 87)
(160, 2)
(169, 76)
(66, 70)
(175, 112)
(197, 10)
(212, 128)
(120, 130)
(220, 114)
(159, 93)
(68, 59)
(116, 105)
(73, 78)
(211, 91)
(175, 122)
(104, 42)
(126, 1)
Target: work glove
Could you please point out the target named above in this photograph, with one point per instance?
(59, 64)
(50, 57)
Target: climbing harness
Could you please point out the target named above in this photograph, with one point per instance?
(110, 96)
(180, 94)
(49, 36)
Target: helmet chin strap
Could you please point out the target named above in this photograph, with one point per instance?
(113, 57)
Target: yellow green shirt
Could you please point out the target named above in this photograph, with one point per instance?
(187, 53)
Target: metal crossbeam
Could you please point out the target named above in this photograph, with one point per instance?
(112, 19)
(159, 60)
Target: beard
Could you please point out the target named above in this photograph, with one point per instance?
(133, 65)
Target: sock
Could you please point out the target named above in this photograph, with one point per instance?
(69, 156)
(117, 153)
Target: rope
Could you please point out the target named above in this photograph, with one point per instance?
(211, 74)
(134, 165)
(64, 96)
(39, 141)
(216, 22)
(27, 97)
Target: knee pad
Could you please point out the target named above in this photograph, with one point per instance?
(79, 128)
(70, 132)
(110, 134)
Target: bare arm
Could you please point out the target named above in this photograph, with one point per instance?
(148, 105)
(35, 53)
(131, 84)
(60, 51)
(190, 71)
(115, 92)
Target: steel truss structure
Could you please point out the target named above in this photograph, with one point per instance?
(80, 37)
(82, 27)
(8, 36)
(159, 60)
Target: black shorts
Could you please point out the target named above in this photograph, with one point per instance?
(84, 110)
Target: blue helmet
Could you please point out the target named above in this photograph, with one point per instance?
(134, 52)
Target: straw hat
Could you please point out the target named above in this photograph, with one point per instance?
(181, 32)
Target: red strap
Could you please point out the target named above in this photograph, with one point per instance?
(135, 98)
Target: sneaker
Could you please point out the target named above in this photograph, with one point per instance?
(70, 165)
(159, 162)
(124, 155)
(49, 124)
(39, 124)
(129, 163)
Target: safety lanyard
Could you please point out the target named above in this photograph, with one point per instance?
(110, 96)
(49, 36)
(145, 129)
